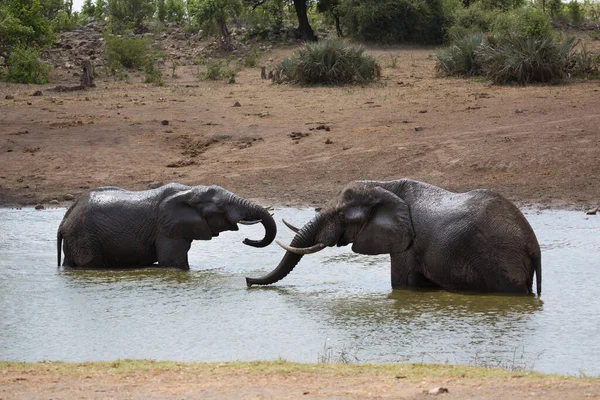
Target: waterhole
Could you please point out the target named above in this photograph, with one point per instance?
(335, 306)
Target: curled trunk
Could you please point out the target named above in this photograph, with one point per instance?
(267, 221)
(306, 237)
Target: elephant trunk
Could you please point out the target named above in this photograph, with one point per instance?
(304, 238)
(254, 212)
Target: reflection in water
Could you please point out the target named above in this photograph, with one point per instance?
(334, 301)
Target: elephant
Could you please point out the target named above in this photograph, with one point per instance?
(476, 241)
(109, 227)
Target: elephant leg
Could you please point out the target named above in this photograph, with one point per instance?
(173, 253)
(406, 272)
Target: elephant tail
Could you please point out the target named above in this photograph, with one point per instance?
(537, 264)
(59, 239)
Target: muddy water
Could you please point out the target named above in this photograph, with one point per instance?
(335, 306)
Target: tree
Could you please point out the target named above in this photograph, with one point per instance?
(161, 10)
(175, 11)
(217, 12)
(304, 27)
(100, 9)
(126, 12)
(88, 9)
(331, 8)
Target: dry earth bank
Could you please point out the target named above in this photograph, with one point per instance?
(282, 144)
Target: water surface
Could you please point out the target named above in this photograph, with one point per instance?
(335, 306)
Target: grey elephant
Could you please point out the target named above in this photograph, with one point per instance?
(473, 241)
(110, 227)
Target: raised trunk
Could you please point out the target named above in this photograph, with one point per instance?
(304, 238)
(304, 28)
(255, 213)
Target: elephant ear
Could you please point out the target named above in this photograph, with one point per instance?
(179, 218)
(389, 229)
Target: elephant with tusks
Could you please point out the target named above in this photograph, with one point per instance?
(474, 241)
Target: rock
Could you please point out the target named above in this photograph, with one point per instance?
(422, 111)
(164, 122)
(436, 391)
(39, 207)
(9, 97)
(592, 211)
(418, 128)
(328, 141)
(53, 202)
(237, 104)
(38, 93)
(68, 197)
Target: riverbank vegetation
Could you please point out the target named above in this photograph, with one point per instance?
(503, 40)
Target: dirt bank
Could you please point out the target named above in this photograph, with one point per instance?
(288, 145)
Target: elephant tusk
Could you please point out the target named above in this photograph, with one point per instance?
(292, 227)
(242, 222)
(306, 250)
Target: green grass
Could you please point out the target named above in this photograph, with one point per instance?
(410, 371)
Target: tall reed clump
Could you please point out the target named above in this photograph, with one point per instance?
(330, 62)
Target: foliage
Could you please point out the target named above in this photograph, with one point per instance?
(126, 52)
(523, 22)
(65, 22)
(251, 59)
(214, 14)
(216, 70)
(152, 72)
(525, 59)
(584, 64)
(504, 5)
(100, 9)
(88, 9)
(393, 21)
(24, 66)
(22, 23)
(161, 10)
(330, 62)
(126, 14)
(460, 57)
(175, 11)
(575, 12)
(470, 20)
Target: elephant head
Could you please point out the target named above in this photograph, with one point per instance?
(373, 219)
(202, 212)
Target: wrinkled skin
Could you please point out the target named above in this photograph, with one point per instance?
(474, 241)
(109, 227)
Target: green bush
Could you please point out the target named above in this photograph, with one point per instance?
(525, 60)
(583, 64)
(216, 70)
(471, 20)
(394, 21)
(24, 66)
(127, 52)
(330, 62)
(575, 12)
(153, 73)
(522, 22)
(460, 57)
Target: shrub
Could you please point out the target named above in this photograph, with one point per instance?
(215, 70)
(24, 66)
(460, 57)
(575, 12)
(525, 59)
(470, 20)
(127, 52)
(330, 62)
(251, 59)
(393, 21)
(523, 22)
(153, 73)
(583, 64)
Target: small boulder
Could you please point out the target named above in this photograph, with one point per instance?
(39, 207)
(68, 197)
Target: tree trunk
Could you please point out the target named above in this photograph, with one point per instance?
(225, 35)
(304, 28)
(338, 26)
(87, 76)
